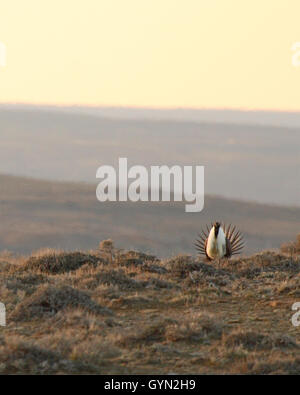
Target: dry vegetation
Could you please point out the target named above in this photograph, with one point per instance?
(125, 312)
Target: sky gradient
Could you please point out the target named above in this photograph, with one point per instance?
(156, 53)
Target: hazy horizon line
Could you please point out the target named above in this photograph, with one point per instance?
(149, 107)
(236, 116)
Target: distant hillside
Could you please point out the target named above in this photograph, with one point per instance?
(242, 161)
(251, 117)
(35, 214)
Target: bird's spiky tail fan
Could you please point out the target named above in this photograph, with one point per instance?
(200, 243)
(233, 235)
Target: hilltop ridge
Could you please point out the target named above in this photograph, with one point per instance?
(112, 311)
(36, 214)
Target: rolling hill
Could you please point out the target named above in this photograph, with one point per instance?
(253, 162)
(112, 312)
(36, 214)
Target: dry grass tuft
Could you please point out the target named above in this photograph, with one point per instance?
(275, 366)
(199, 329)
(182, 265)
(147, 335)
(119, 279)
(292, 248)
(49, 300)
(19, 357)
(251, 340)
(133, 258)
(106, 245)
(61, 262)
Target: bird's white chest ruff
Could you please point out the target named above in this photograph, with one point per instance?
(216, 246)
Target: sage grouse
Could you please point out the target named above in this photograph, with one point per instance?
(219, 242)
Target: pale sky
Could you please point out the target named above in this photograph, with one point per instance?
(157, 53)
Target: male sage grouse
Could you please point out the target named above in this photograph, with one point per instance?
(218, 242)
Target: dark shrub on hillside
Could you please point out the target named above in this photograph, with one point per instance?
(55, 263)
(49, 300)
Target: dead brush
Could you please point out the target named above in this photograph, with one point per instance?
(49, 300)
(106, 248)
(132, 258)
(16, 356)
(292, 248)
(25, 282)
(275, 365)
(252, 340)
(180, 266)
(198, 329)
(266, 262)
(151, 334)
(119, 279)
(58, 262)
